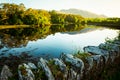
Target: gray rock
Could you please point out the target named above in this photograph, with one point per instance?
(113, 55)
(25, 72)
(114, 50)
(90, 62)
(97, 58)
(32, 65)
(78, 77)
(42, 63)
(5, 73)
(117, 42)
(110, 47)
(72, 75)
(106, 57)
(95, 50)
(60, 63)
(76, 62)
(62, 66)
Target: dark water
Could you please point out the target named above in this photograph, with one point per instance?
(51, 41)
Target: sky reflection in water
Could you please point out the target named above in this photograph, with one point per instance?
(67, 42)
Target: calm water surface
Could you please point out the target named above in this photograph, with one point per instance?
(53, 44)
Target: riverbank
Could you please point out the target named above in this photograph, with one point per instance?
(107, 25)
(13, 26)
(99, 63)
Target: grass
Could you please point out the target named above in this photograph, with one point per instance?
(13, 26)
(23, 70)
(40, 74)
(81, 55)
(56, 71)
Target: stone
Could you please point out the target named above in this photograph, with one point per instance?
(32, 65)
(76, 62)
(5, 73)
(117, 42)
(95, 50)
(60, 63)
(25, 72)
(90, 62)
(98, 59)
(110, 47)
(42, 63)
(72, 75)
(106, 57)
(113, 56)
(114, 50)
(62, 66)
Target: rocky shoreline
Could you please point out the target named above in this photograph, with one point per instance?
(68, 67)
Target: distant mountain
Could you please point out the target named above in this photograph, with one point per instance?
(83, 13)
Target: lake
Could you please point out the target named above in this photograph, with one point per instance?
(51, 41)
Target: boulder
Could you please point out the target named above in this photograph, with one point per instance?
(95, 50)
(117, 42)
(5, 73)
(97, 58)
(32, 65)
(90, 62)
(110, 47)
(75, 62)
(62, 66)
(94, 59)
(72, 75)
(60, 63)
(113, 55)
(42, 63)
(25, 72)
(114, 50)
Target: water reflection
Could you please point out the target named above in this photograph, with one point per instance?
(51, 41)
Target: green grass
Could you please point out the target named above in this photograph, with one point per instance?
(13, 26)
(57, 73)
(81, 55)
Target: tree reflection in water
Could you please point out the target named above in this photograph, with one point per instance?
(19, 37)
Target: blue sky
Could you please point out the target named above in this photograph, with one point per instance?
(108, 7)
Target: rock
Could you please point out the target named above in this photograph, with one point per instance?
(117, 42)
(5, 73)
(25, 72)
(32, 66)
(76, 62)
(60, 63)
(72, 75)
(62, 66)
(95, 50)
(106, 57)
(113, 56)
(90, 62)
(42, 63)
(114, 50)
(110, 47)
(98, 59)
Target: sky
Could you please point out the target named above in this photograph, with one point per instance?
(110, 8)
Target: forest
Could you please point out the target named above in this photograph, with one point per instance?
(13, 14)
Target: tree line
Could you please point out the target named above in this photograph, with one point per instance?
(13, 14)
(110, 22)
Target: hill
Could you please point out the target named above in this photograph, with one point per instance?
(83, 13)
